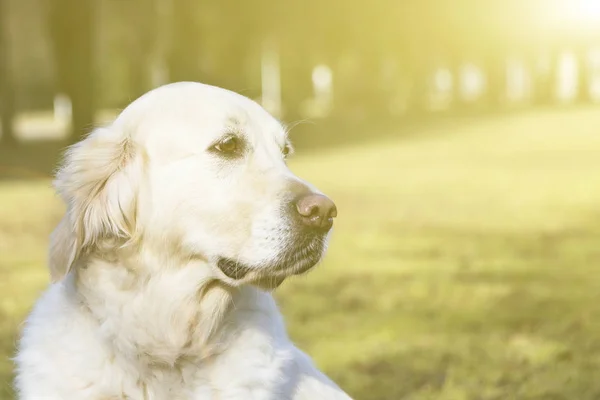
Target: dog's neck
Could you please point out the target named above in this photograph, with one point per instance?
(159, 312)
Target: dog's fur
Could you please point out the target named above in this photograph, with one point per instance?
(139, 307)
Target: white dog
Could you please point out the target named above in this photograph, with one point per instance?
(181, 217)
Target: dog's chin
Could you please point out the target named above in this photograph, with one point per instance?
(294, 261)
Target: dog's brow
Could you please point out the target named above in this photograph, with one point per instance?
(235, 126)
(233, 121)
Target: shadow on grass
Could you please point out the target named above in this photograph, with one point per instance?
(30, 160)
(490, 331)
(39, 159)
(520, 345)
(8, 338)
(334, 132)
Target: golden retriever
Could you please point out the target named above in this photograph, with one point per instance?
(181, 217)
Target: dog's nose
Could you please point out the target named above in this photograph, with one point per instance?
(316, 211)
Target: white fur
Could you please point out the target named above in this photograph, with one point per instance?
(138, 308)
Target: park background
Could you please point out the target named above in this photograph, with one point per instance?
(459, 138)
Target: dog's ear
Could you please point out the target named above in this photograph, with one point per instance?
(97, 181)
(63, 249)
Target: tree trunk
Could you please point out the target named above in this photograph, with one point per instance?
(296, 83)
(584, 76)
(496, 81)
(143, 45)
(418, 98)
(72, 23)
(545, 74)
(7, 99)
(183, 55)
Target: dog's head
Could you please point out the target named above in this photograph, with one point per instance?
(198, 171)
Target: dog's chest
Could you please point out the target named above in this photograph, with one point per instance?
(183, 383)
(249, 354)
(259, 372)
(144, 350)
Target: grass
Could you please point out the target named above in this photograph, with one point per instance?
(464, 264)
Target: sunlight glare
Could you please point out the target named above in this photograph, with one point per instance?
(590, 8)
(583, 11)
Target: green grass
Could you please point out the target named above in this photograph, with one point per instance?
(464, 263)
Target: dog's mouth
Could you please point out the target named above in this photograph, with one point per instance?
(295, 261)
(233, 269)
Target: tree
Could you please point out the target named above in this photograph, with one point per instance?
(142, 44)
(72, 30)
(7, 99)
(584, 75)
(184, 32)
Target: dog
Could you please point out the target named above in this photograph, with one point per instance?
(181, 218)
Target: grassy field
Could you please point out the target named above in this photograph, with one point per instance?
(465, 263)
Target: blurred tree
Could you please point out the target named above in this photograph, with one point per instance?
(141, 44)
(31, 55)
(584, 75)
(7, 99)
(185, 33)
(385, 53)
(296, 85)
(72, 25)
(496, 74)
(419, 75)
(545, 73)
(235, 53)
(300, 51)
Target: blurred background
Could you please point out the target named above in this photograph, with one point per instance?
(459, 138)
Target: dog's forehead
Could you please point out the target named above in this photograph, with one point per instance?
(198, 113)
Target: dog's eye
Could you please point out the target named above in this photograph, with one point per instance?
(287, 150)
(230, 146)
